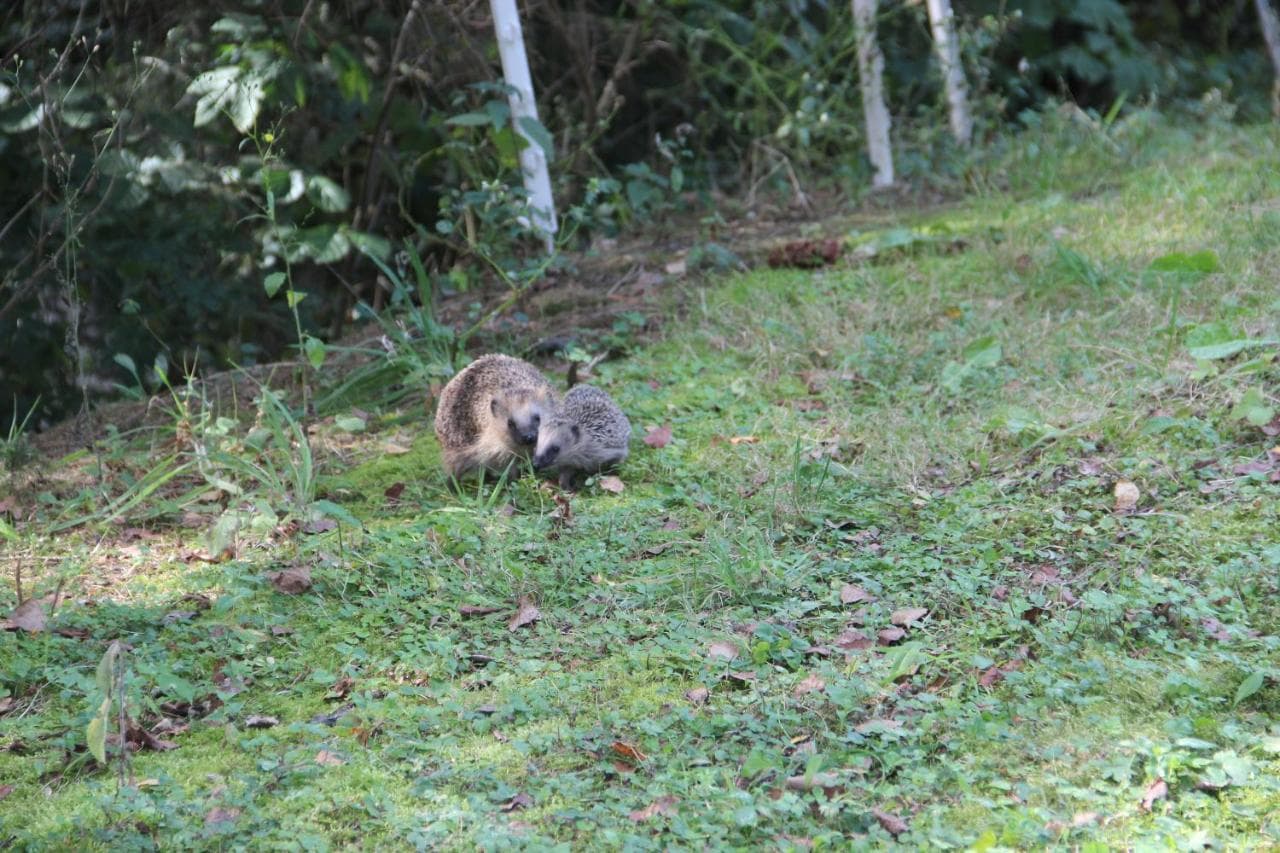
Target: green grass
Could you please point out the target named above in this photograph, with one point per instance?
(1070, 657)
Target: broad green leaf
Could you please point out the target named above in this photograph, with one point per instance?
(126, 361)
(349, 423)
(533, 129)
(7, 531)
(1210, 341)
(216, 89)
(983, 352)
(1254, 408)
(324, 244)
(293, 297)
(327, 195)
(1248, 687)
(469, 120)
(1198, 263)
(272, 283)
(313, 348)
(370, 244)
(96, 733)
(329, 509)
(104, 675)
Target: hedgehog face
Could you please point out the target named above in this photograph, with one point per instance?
(556, 441)
(521, 416)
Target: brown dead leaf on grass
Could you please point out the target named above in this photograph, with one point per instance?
(325, 758)
(519, 801)
(5, 790)
(811, 684)
(526, 613)
(889, 636)
(722, 650)
(6, 704)
(471, 610)
(291, 581)
(1157, 790)
(907, 615)
(743, 439)
(661, 807)
(613, 484)
(891, 823)
(28, 616)
(393, 493)
(698, 695)
(1126, 495)
(854, 641)
(260, 721)
(851, 593)
(631, 752)
(219, 815)
(659, 437)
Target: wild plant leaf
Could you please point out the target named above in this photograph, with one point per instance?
(273, 282)
(1251, 685)
(469, 120)
(1217, 340)
(326, 194)
(314, 350)
(1253, 408)
(95, 734)
(533, 129)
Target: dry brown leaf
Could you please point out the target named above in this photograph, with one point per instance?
(628, 751)
(1127, 495)
(1157, 790)
(393, 493)
(28, 616)
(722, 650)
(612, 484)
(811, 684)
(392, 449)
(698, 695)
(5, 790)
(892, 824)
(661, 807)
(519, 801)
(469, 610)
(907, 615)
(325, 758)
(889, 636)
(878, 725)
(292, 581)
(525, 613)
(220, 815)
(743, 439)
(813, 781)
(676, 268)
(851, 593)
(853, 641)
(6, 703)
(659, 437)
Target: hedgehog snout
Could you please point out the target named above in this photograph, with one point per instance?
(546, 457)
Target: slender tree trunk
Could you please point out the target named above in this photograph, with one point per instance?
(943, 23)
(1271, 35)
(871, 78)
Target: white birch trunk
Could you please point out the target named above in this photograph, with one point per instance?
(533, 160)
(871, 79)
(943, 24)
(1270, 31)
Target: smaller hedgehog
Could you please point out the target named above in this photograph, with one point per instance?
(586, 433)
(489, 414)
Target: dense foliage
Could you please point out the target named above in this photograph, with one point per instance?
(155, 166)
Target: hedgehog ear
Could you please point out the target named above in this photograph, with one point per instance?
(493, 407)
(577, 433)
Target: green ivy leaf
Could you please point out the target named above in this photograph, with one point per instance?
(272, 283)
(313, 348)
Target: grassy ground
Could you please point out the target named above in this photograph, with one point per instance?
(933, 438)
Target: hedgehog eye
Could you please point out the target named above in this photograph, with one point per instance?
(537, 419)
(576, 432)
(554, 449)
(511, 423)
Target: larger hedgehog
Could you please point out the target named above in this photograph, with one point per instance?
(586, 433)
(489, 414)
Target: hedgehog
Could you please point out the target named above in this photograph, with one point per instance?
(489, 414)
(586, 433)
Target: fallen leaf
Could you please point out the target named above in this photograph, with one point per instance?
(291, 581)
(28, 616)
(525, 613)
(5, 790)
(628, 751)
(722, 650)
(1000, 593)
(659, 437)
(855, 640)
(991, 676)
(340, 688)
(393, 493)
(805, 254)
(332, 718)
(519, 801)
(698, 695)
(393, 449)
(743, 439)
(281, 630)
(325, 758)
(889, 636)
(892, 824)
(671, 524)
(811, 684)
(469, 610)
(661, 807)
(6, 703)
(907, 615)
(258, 721)
(612, 484)
(220, 815)
(878, 725)
(1157, 790)
(851, 593)
(1126, 494)
(676, 268)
